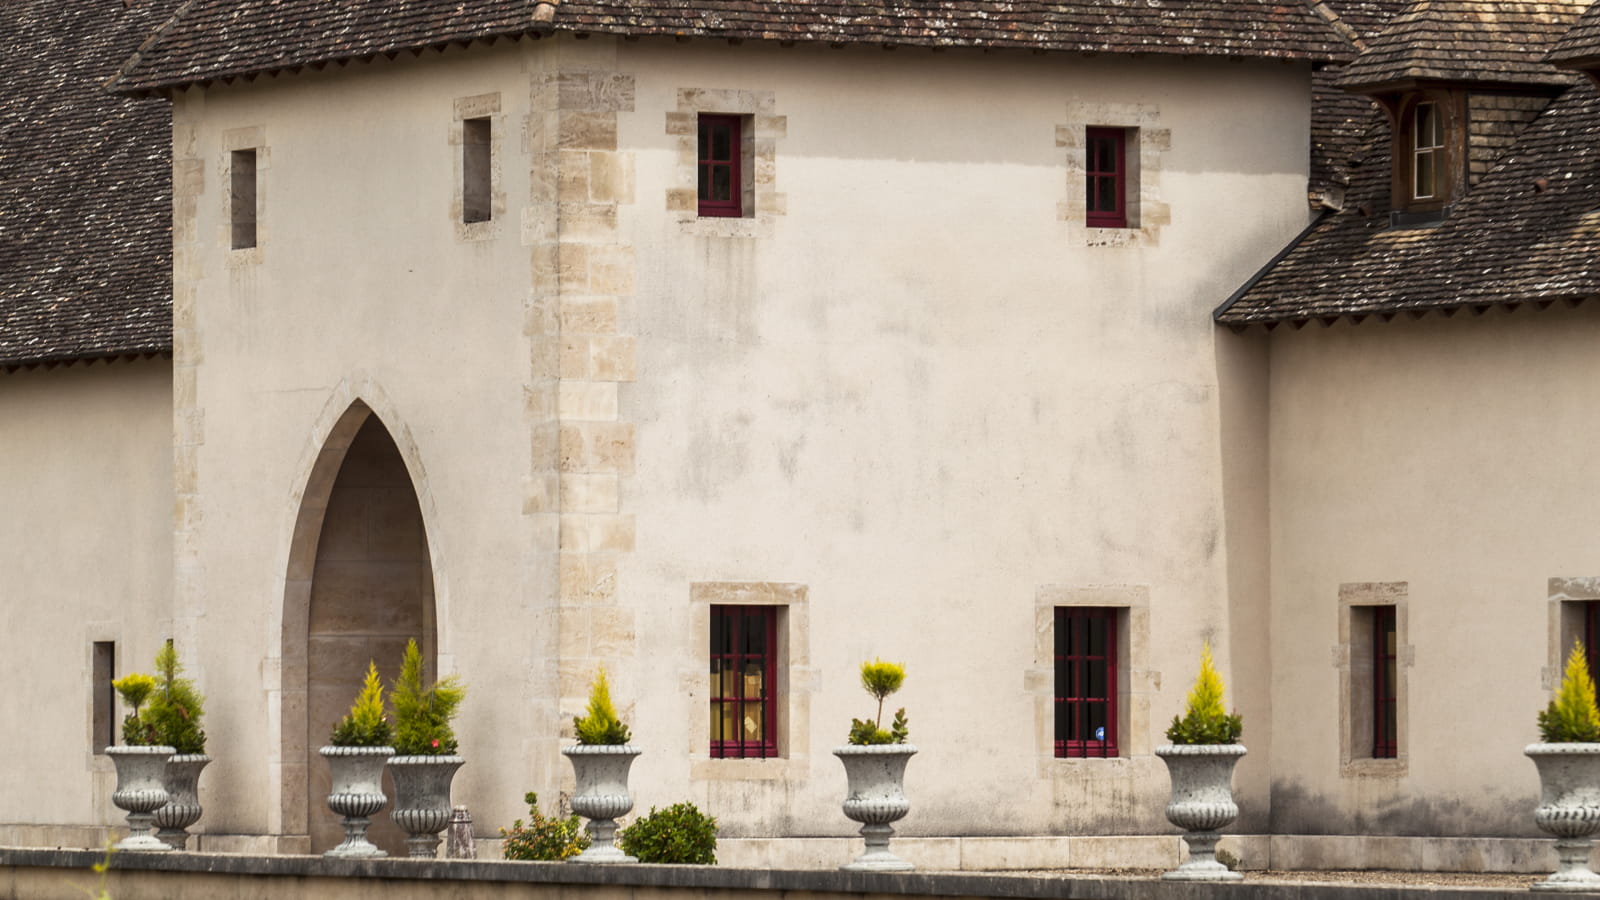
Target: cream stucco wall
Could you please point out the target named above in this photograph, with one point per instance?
(85, 520)
(1451, 460)
(911, 394)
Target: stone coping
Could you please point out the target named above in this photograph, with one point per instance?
(1053, 885)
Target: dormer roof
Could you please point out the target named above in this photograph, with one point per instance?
(1580, 48)
(220, 40)
(1485, 43)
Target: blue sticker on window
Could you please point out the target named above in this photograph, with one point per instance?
(1100, 733)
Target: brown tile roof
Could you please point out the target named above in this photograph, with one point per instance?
(1494, 41)
(85, 187)
(223, 39)
(1340, 121)
(1581, 45)
(1529, 232)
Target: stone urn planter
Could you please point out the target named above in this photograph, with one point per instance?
(601, 796)
(422, 799)
(1202, 802)
(182, 780)
(356, 793)
(1569, 809)
(140, 792)
(876, 798)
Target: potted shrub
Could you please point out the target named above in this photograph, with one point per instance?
(425, 749)
(356, 752)
(875, 767)
(601, 760)
(1568, 759)
(1200, 758)
(175, 711)
(141, 761)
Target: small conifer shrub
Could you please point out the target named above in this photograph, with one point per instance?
(166, 707)
(880, 679)
(422, 715)
(543, 838)
(1204, 720)
(679, 834)
(365, 725)
(1572, 715)
(599, 723)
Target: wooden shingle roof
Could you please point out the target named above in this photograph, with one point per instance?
(1482, 41)
(219, 40)
(1580, 47)
(85, 187)
(1528, 233)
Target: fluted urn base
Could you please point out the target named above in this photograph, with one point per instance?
(1202, 802)
(140, 791)
(422, 799)
(1569, 809)
(876, 798)
(356, 794)
(183, 799)
(601, 796)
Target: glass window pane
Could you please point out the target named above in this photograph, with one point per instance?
(1097, 637)
(721, 142)
(730, 722)
(1389, 722)
(755, 633)
(705, 182)
(729, 686)
(705, 139)
(755, 725)
(716, 721)
(721, 183)
(1097, 679)
(753, 680)
(1095, 713)
(1424, 186)
(1107, 201)
(1063, 721)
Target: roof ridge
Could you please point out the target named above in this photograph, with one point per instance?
(147, 43)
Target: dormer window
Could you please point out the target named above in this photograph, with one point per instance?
(1427, 151)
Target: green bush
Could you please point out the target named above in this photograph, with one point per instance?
(135, 688)
(422, 715)
(547, 839)
(1204, 720)
(680, 833)
(880, 679)
(166, 708)
(1572, 715)
(365, 725)
(599, 724)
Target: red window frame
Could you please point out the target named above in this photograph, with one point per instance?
(744, 645)
(1385, 692)
(1086, 681)
(1591, 632)
(720, 166)
(1106, 178)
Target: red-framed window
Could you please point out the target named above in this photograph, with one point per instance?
(744, 653)
(1591, 633)
(721, 152)
(1385, 709)
(1086, 681)
(1106, 177)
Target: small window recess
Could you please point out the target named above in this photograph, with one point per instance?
(476, 194)
(724, 158)
(1106, 178)
(103, 702)
(1374, 659)
(242, 198)
(744, 683)
(1087, 696)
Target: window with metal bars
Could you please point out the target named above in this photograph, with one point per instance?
(1086, 681)
(744, 652)
(1106, 177)
(720, 166)
(1385, 710)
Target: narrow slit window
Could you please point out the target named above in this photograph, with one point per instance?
(1427, 151)
(242, 198)
(475, 172)
(721, 143)
(1106, 177)
(743, 686)
(1385, 708)
(103, 702)
(1086, 681)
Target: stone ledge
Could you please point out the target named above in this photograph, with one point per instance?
(694, 881)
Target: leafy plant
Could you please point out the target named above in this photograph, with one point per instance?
(1572, 714)
(176, 706)
(1204, 720)
(543, 838)
(166, 707)
(880, 679)
(365, 725)
(422, 715)
(135, 688)
(599, 723)
(681, 833)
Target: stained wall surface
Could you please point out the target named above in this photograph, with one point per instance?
(1444, 467)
